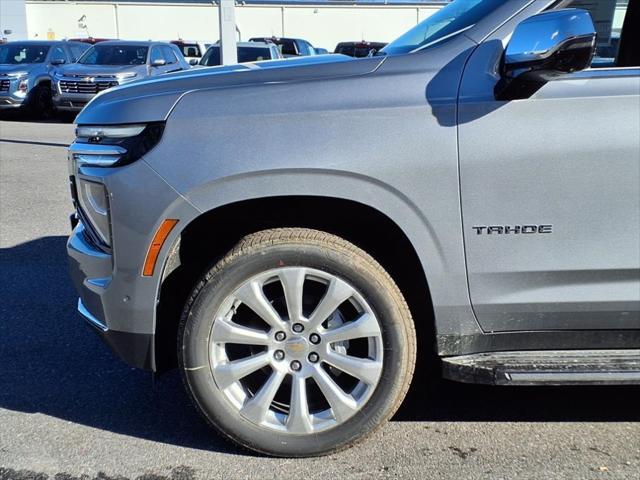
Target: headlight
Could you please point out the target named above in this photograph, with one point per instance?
(94, 204)
(23, 88)
(119, 131)
(126, 76)
(114, 145)
(18, 74)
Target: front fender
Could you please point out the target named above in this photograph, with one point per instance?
(442, 263)
(385, 139)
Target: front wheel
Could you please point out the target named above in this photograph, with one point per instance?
(296, 343)
(39, 103)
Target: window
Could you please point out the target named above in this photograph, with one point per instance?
(245, 54)
(446, 22)
(253, 54)
(57, 55)
(305, 48)
(115, 55)
(168, 55)
(211, 57)
(17, 54)
(77, 50)
(156, 54)
(190, 49)
(287, 47)
(609, 18)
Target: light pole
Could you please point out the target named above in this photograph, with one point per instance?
(227, 16)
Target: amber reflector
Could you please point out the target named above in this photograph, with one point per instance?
(156, 244)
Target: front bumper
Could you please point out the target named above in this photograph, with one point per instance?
(71, 102)
(10, 95)
(91, 273)
(115, 298)
(10, 101)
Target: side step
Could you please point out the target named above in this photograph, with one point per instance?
(548, 367)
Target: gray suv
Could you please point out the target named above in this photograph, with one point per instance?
(111, 63)
(26, 73)
(479, 221)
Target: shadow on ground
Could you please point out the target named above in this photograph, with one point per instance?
(58, 117)
(51, 363)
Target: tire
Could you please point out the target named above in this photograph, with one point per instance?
(39, 103)
(307, 416)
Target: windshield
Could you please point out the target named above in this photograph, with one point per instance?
(16, 54)
(245, 54)
(189, 49)
(450, 20)
(115, 55)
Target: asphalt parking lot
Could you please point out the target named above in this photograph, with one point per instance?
(69, 409)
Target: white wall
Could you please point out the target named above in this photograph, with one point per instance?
(13, 17)
(323, 25)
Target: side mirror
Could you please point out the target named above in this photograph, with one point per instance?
(193, 62)
(58, 61)
(159, 63)
(547, 46)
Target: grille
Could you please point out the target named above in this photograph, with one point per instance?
(72, 86)
(4, 85)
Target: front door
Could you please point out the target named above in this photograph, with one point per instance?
(550, 188)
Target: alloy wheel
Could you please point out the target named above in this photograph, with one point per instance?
(296, 349)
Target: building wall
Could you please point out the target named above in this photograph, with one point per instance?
(323, 25)
(12, 18)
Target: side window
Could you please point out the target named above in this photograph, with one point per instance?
(57, 54)
(310, 49)
(76, 51)
(156, 54)
(609, 18)
(168, 55)
(288, 47)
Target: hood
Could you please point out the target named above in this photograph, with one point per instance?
(152, 99)
(25, 67)
(81, 70)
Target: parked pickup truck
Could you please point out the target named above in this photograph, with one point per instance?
(479, 221)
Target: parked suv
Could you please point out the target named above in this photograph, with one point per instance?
(482, 214)
(359, 49)
(26, 70)
(192, 50)
(247, 52)
(290, 47)
(111, 63)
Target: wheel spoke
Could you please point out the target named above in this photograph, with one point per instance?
(230, 372)
(253, 297)
(292, 280)
(361, 368)
(225, 331)
(299, 420)
(256, 408)
(315, 342)
(337, 292)
(342, 405)
(365, 326)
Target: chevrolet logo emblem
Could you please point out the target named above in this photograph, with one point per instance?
(296, 346)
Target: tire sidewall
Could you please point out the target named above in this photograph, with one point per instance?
(39, 103)
(358, 270)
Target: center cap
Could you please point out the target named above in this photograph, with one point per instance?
(296, 347)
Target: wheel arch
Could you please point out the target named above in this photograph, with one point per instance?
(43, 79)
(210, 235)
